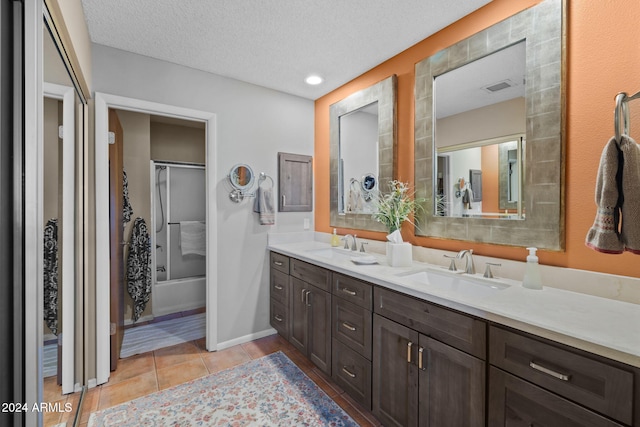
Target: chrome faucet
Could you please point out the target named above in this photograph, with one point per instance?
(469, 268)
(354, 245)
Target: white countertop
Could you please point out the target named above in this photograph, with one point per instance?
(598, 325)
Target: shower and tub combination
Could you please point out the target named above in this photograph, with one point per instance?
(178, 206)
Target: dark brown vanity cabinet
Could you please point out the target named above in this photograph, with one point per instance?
(419, 380)
(536, 382)
(352, 336)
(279, 293)
(310, 312)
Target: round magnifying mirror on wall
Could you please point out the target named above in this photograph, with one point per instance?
(241, 177)
(369, 184)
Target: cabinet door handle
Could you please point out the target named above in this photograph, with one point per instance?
(409, 345)
(278, 287)
(348, 326)
(420, 358)
(278, 318)
(302, 295)
(278, 263)
(349, 291)
(284, 200)
(306, 299)
(548, 371)
(346, 371)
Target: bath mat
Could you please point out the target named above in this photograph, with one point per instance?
(145, 338)
(270, 391)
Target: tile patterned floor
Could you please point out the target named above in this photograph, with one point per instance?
(143, 374)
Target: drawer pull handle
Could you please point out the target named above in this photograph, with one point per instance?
(278, 287)
(278, 318)
(346, 371)
(420, 357)
(348, 326)
(409, 345)
(278, 263)
(548, 371)
(349, 291)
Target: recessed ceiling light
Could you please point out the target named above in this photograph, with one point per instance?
(313, 80)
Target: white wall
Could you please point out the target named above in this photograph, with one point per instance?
(254, 124)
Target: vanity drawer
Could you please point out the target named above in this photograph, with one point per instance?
(353, 290)
(352, 372)
(352, 325)
(513, 401)
(456, 329)
(312, 274)
(280, 286)
(280, 318)
(589, 382)
(280, 262)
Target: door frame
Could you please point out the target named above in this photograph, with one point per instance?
(67, 95)
(103, 102)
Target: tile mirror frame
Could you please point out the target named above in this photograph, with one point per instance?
(385, 93)
(543, 26)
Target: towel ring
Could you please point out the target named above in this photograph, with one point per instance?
(263, 177)
(621, 110)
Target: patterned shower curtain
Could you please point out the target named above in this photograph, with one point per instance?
(139, 267)
(51, 275)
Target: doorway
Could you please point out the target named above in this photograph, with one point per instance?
(103, 103)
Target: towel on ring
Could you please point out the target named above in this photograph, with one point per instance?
(630, 226)
(193, 238)
(263, 205)
(616, 227)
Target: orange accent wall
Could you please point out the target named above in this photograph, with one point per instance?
(603, 58)
(489, 167)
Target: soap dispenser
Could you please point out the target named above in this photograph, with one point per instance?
(532, 279)
(335, 239)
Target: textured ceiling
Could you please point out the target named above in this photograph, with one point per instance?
(272, 43)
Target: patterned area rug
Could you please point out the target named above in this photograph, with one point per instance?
(270, 391)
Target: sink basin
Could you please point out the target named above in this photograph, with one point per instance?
(335, 253)
(455, 282)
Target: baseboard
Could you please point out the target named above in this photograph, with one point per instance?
(147, 318)
(246, 338)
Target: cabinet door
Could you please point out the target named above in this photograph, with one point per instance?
(452, 386)
(515, 402)
(319, 318)
(295, 182)
(395, 377)
(298, 335)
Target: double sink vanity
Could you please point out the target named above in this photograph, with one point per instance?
(421, 345)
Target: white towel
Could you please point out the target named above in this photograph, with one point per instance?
(264, 206)
(192, 238)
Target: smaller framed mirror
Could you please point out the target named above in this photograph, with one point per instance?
(362, 153)
(241, 177)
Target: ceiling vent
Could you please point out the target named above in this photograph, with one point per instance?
(495, 87)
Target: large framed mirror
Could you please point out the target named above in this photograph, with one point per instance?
(489, 133)
(362, 153)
